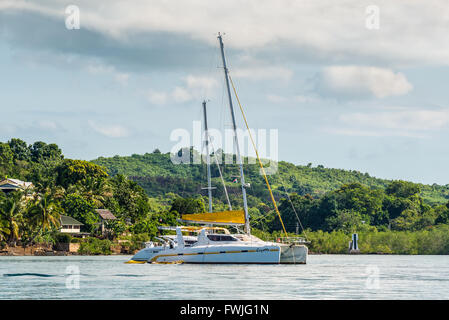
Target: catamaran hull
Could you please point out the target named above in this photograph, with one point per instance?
(212, 255)
(284, 254)
(293, 254)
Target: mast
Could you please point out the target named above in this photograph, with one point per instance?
(206, 136)
(236, 142)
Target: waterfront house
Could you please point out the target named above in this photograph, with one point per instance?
(105, 217)
(70, 225)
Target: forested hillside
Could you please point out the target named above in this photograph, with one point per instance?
(156, 173)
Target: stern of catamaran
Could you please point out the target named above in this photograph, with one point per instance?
(293, 254)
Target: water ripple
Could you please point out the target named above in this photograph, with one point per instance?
(26, 274)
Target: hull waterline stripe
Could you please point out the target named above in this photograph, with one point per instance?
(154, 259)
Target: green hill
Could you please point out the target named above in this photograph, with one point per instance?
(156, 173)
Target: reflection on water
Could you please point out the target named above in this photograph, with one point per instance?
(324, 277)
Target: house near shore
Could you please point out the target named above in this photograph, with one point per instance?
(105, 217)
(10, 184)
(71, 226)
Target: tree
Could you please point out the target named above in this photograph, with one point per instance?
(45, 212)
(346, 220)
(187, 205)
(97, 190)
(146, 226)
(44, 173)
(360, 198)
(406, 221)
(129, 200)
(20, 149)
(73, 171)
(82, 210)
(302, 206)
(6, 158)
(11, 210)
(4, 230)
(41, 151)
(402, 189)
(442, 214)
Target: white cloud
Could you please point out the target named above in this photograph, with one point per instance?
(99, 68)
(305, 99)
(325, 30)
(262, 73)
(276, 98)
(412, 123)
(122, 78)
(181, 95)
(294, 99)
(361, 81)
(200, 82)
(111, 131)
(156, 97)
(195, 87)
(47, 125)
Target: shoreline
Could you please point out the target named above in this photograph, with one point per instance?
(51, 250)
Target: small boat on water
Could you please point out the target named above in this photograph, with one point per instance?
(209, 244)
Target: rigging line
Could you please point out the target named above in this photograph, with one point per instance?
(219, 170)
(293, 207)
(258, 158)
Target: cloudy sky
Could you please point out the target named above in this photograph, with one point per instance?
(348, 84)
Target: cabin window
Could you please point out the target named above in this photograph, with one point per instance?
(219, 237)
(189, 242)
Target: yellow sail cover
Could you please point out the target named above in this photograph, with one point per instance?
(235, 217)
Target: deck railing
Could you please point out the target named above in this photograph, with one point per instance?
(291, 240)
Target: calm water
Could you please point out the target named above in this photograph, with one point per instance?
(324, 277)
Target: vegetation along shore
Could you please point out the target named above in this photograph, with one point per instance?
(143, 192)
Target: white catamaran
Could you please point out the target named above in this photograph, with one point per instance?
(215, 244)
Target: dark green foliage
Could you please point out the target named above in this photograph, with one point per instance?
(6, 159)
(137, 241)
(82, 210)
(63, 238)
(129, 201)
(73, 171)
(94, 246)
(442, 214)
(20, 149)
(402, 189)
(353, 207)
(187, 205)
(42, 151)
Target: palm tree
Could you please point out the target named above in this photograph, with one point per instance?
(95, 190)
(46, 213)
(4, 231)
(11, 210)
